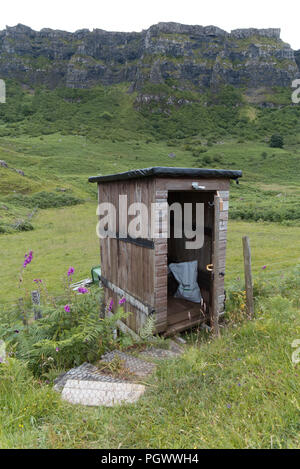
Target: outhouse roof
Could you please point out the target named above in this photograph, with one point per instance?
(164, 171)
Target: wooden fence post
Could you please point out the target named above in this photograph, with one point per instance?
(248, 277)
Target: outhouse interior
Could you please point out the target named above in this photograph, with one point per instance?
(180, 310)
(141, 269)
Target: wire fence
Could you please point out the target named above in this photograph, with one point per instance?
(265, 272)
(267, 269)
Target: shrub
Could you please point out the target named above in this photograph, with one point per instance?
(276, 141)
(106, 115)
(198, 151)
(217, 158)
(45, 200)
(23, 225)
(5, 228)
(207, 159)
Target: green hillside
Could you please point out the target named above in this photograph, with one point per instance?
(156, 111)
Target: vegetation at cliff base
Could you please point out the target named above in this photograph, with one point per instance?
(157, 111)
(276, 141)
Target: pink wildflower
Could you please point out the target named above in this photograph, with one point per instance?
(28, 259)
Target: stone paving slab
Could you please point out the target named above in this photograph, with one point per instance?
(86, 372)
(158, 353)
(95, 393)
(137, 366)
(87, 385)
(176, 348)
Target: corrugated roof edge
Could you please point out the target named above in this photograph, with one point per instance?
(164, 171)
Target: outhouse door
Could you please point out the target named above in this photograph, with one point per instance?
(216, 272)
(182, 313)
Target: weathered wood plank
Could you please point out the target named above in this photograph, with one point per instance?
(185, 184)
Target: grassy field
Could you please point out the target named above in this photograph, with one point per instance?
(63, 237)
(59, 157)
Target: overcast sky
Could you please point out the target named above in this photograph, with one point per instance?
(135, 15)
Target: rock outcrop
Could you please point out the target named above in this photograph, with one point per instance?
(297, 58)
(196, 57)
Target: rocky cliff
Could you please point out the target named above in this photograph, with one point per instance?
(196, 57)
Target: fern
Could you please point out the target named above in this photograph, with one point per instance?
(147, 331)
(64, 339)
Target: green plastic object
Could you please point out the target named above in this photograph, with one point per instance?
(96, 274)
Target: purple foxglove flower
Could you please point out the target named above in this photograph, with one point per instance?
(67, 308)
(111, 305)
(57, 349)
(122, 301)
(82, 290)
(28, 259)
(71, 271)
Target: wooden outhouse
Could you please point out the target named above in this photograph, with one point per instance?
(136, 267)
